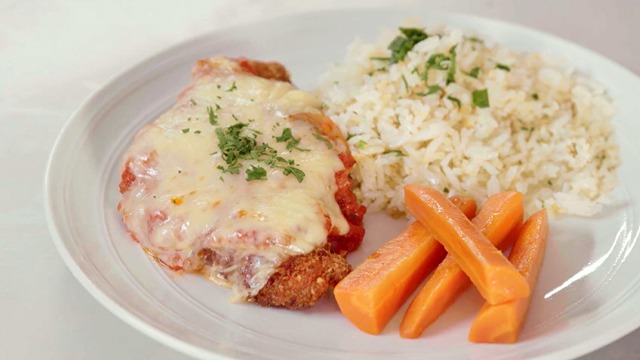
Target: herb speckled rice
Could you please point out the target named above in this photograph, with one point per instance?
(547, 131)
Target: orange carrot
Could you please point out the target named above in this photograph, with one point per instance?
(501, 323)
(374, 291)
(489, 270)
(466, 204)
(497, 219)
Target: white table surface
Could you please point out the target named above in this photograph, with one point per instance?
(53, 54)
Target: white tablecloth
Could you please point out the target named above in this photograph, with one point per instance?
(55, 53)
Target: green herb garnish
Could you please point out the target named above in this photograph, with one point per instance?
(398, 153)
(474, 39)
(445, 190)
(380, 58)
(256, 173)
(455, 100)
(233, 87)
(361, 144)
(474, 72)
(238, 142)
(430, 90)
(192, 102)
(292, 142)
(286, 135)
(185, 130)
(290, 170)
(534, 96)
(406, 85)
(503, 67)
(402, 44)
(213, 118)
(452, 67)
(438, 61)
(480, 98)
(197, 132)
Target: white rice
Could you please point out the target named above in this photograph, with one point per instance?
(558, 149)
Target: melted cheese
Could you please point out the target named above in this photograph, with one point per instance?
(181, 202)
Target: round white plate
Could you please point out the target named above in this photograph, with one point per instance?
(589, 289)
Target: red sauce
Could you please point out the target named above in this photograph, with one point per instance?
(351, 210)
(127, 178)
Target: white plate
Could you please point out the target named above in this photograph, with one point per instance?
(589, 289)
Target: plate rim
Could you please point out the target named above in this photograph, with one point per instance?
(155, 59)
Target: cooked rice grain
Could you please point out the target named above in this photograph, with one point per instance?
(547, 132)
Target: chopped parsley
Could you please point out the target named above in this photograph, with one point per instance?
(192, 102)
(474, 72)
(290, 170)
(286, 135)
(474, 39)
(402, 44)
(292, 142)
(438, 61)
(503, 67)
(213, 118)
(406, 85)
(445, 190)
(256, 173)
(238, 142)
(233, 87)
(441, 61)
(480, 98)
(534, 96)
(430, 90)
(380, 58)
(361, 144)
(455, 100)
(185, 130)
(197, 132)
(398, 153)
(452, 67)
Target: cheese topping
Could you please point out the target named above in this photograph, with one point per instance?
(182, 202)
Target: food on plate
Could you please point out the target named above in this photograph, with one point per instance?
(469, 117)
(374, 291)
(245, 181)
(493, 275)
(499, 219)
(501, 323)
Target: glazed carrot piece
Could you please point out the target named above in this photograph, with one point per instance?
(502, 323)
(489, 270)
(500, 215)
(374, 291)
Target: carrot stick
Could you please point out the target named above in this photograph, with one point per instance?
(502, 323)
(374, 291)
(489, 270)
(467, 205)
(500, 215)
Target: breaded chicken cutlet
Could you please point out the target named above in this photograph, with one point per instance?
(245, 181)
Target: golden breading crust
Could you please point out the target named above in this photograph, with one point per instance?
(301, 281)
